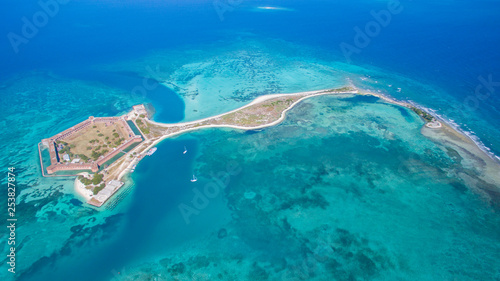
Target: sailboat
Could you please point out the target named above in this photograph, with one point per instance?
(194, 179)
(185, 150)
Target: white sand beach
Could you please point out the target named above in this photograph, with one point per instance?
(81, 190)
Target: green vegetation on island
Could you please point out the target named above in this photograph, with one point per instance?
(279, 103)
(426, 116)
(99, 188)
(96, 184)
(142, 126)
(343, 89)
(83, 157)
(93, 142)
(64, 150)
(96, 179)
(96, 154)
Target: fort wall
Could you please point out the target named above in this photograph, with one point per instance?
(94, 166)
(119, 149)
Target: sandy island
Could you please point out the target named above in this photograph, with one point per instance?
(269, 110)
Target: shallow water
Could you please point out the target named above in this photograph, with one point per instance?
(344, 188)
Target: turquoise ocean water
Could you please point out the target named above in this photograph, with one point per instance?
(346, 188)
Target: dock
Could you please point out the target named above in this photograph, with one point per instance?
(111, 188)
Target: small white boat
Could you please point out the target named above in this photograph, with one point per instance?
(194, 179)
(185, 150)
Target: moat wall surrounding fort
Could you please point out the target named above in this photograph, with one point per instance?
(55, 163)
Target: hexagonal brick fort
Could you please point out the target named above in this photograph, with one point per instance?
(57, 165)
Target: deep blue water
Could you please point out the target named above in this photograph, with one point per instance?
(448, 44)
(445, 44)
